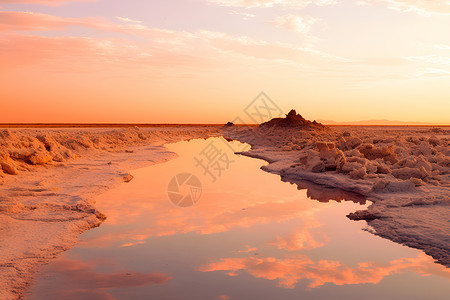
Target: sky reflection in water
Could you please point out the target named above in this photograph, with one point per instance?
(250, 236)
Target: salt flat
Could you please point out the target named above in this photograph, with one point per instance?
(51, 177)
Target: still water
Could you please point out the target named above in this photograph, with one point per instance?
(241, 233)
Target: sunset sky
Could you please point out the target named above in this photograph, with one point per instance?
(204, 61)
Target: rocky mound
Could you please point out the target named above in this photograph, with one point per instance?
(293, 119)
(229, 124)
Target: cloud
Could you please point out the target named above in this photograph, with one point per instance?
(247, 250)
(383, 61)
(422, 7)
(272, 3)
(306, 237)
(27, 21)
(302, 239)
(430, 59)
(81, 54)
(294, 23)
(431, 72)
(159, 48)
(269, 51)
(297, 241)
(132, 244)
(443, 47)
(289, 271)
(245, 16)
(43, 2)
(20, 50)
(30, 21)
(81, 281)
(128, 20)
(156, 48)
(205, 220)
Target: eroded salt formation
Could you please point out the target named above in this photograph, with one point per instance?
(405, 171)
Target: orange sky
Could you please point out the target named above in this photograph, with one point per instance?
(204, 61)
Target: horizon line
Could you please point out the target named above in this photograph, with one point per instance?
(118, 125)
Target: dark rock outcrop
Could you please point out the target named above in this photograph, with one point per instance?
(291, 120)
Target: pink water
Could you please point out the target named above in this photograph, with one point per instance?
(249, 236)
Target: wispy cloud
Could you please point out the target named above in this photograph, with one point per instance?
(294, 23)
(272, 3)
(30, 21)
(289, 271)
(430, 59)
(81, 281)
(432, 73)
(155, 48)
(443, 47)
(244, 15)
(260, 49)
(43, 2)
(128, 20)
(11, 22)
(422, 7)
(431, 65)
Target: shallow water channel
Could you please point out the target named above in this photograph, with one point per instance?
(233, 231)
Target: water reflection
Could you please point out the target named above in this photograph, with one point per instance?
(288, 271)
(247, 228)
(325, 194)
(80, 281)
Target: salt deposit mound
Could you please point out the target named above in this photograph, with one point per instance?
(229, 124)
(293, 119)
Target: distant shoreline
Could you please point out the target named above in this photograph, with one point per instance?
(98, 125)
(143, 125)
